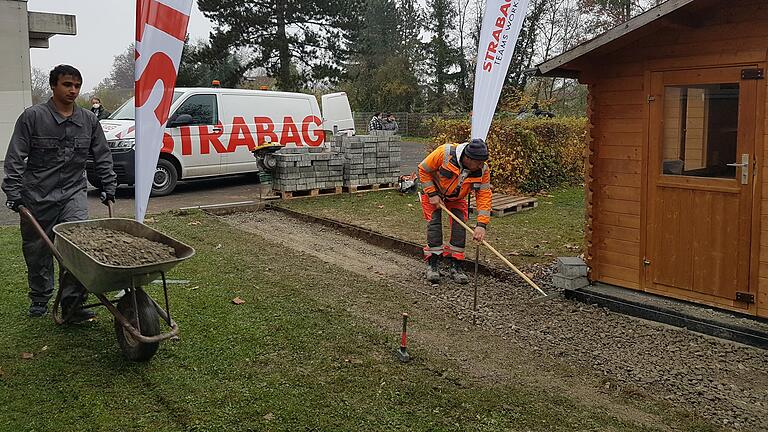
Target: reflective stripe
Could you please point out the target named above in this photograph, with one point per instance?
(438, 250)
(455, 248)
(484, 213)
(428, 184)
(426, 167)
(447, 154)
(484, 186)
(485, 168)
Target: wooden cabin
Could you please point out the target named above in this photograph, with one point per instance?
(677, 163)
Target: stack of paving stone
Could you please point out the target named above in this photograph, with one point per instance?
(313, 170)
(370, 161)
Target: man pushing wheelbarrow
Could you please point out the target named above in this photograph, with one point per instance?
(44, 172)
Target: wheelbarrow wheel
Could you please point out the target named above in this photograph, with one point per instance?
(150, 326)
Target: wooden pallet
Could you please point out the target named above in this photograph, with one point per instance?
(308, 193)
(503, 204)
(369, 188)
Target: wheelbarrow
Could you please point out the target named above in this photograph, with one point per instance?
(137, 315)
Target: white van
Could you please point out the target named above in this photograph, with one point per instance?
(211, 132)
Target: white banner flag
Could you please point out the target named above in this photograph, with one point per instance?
(501, 26)
(161, 28)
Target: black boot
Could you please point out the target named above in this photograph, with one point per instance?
(38, 309)
(433, 270)
(73, 312)
(457, 273)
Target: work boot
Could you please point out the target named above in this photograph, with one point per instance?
(79, 315)
(457, 274)
(38, 309)
(433, 271)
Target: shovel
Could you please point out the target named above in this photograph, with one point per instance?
(545, 296)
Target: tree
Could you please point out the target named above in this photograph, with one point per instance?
(203, 62)
(41, 88)
(443, 56)
(295, 41)
(610, 13)
(380, 74)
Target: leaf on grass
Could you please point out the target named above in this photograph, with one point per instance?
(380, 206)
(238, 301)
(218, 246)
(410, 205)
(548, 254)
(194, 223)
(149, 220)
(27, 356)
(530, 275)
(269, 416)
(515, 253)
(45, 348)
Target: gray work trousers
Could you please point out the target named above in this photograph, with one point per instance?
(38, 257)
(455, 248)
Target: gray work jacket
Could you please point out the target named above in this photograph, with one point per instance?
(46, 157)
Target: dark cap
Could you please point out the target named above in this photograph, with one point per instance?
(477, 150)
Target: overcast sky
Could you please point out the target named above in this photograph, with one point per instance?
(105, 28)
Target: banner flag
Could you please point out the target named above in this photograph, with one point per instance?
(501, 26)
(161, 28)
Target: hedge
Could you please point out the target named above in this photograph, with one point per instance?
(527, 155)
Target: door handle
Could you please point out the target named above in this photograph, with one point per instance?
(217, 129)
(744, 165)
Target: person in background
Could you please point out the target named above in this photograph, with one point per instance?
(390, 123)
(375, 123)
(98, 109)
(45, 173)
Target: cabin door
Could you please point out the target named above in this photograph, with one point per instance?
(700, 184)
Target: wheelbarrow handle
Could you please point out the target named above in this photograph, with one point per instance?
(40, 231)
(109, 206)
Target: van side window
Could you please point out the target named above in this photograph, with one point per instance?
(202, 108)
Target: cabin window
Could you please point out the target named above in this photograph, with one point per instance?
(700, 130)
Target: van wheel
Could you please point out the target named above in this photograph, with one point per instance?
(165, 178)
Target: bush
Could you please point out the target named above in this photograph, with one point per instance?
(527, 155)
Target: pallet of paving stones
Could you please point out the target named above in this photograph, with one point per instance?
(370, 161)
(308, 193)
(305, 170)
(503, 204)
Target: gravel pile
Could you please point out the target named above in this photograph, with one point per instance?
(118, 248)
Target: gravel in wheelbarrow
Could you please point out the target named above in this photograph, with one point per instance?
(118, 248)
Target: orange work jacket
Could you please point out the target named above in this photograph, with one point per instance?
(440, 174)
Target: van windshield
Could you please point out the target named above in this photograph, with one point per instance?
(127, 111)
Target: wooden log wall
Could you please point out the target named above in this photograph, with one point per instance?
(735, 34)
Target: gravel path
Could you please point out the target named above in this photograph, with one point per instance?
(726, 383)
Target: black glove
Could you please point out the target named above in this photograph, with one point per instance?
(13, 205)
(106, 197)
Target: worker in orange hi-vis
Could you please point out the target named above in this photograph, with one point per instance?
(447, 175)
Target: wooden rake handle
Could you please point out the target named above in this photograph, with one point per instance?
(492, 249)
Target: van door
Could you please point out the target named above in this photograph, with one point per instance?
(198, 144)
(253, 118)
(337, 113)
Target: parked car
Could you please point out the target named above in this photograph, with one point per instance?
(212, 131)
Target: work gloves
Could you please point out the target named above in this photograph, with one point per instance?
(106, 197)
(13, 205)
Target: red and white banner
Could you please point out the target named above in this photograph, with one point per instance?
(501, 26)
(161, 28)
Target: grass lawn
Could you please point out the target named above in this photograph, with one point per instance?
(287, 359)
(554, 228)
